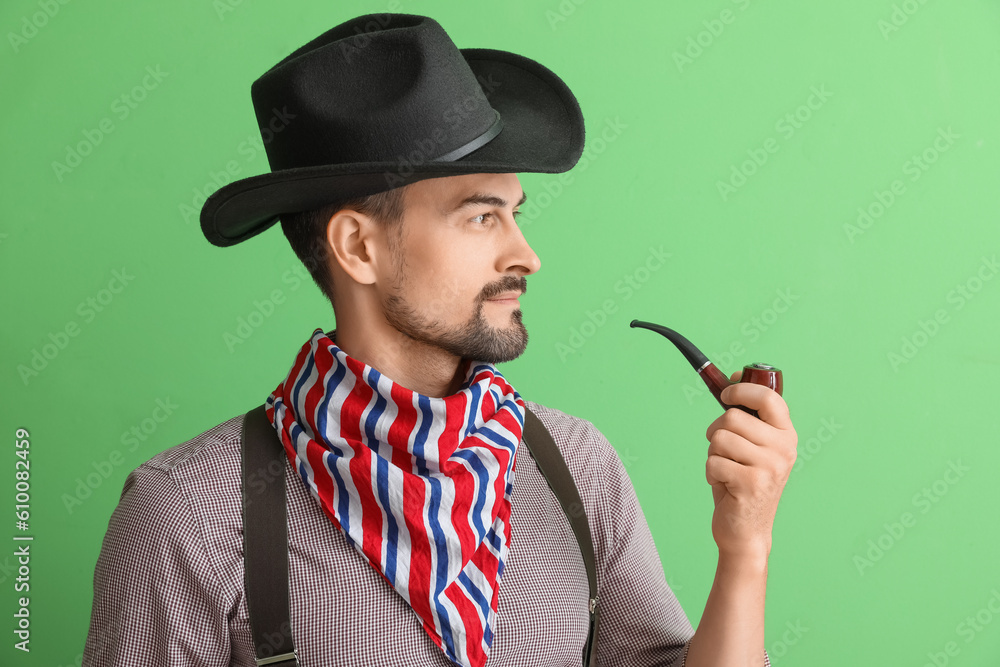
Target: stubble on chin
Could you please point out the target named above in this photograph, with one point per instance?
(476, 340)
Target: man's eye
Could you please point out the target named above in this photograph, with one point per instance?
(482, 218)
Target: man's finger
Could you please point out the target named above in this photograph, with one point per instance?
(769, 405)
(729, 445)
(742, 424)
(720, 470)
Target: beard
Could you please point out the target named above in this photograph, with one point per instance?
(476, 339)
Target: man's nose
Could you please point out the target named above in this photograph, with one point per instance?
(518, 255)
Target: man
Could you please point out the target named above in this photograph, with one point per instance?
(420, 531)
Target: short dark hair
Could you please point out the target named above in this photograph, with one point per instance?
(306, 230)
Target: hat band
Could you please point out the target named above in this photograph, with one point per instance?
(480, 141)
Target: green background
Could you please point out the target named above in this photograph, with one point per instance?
(889, 367)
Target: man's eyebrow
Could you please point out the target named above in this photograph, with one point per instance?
(482, 198)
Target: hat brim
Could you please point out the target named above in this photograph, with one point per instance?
(543, 132)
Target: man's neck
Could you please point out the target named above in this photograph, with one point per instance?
(422, 368)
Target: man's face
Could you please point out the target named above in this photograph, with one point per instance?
(460, 263)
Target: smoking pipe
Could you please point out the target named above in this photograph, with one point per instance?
(764, 374)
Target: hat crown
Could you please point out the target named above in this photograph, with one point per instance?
(378, 88)
(385, 100)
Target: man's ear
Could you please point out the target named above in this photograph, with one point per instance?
(357, 244)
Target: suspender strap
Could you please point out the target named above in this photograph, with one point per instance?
(265, 541)
(265, 544)
(553, 467)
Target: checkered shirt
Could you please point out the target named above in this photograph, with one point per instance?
(168, 586)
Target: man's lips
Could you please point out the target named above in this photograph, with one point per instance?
(508, 298)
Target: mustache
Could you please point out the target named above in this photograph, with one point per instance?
(505, 284)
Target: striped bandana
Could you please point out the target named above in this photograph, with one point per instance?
(420, 486)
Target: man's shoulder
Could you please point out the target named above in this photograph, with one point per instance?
(186, 495)
(582, 444)
(174, 536)
(566, 427)
(209, 459)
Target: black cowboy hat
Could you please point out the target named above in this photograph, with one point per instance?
(388, 99)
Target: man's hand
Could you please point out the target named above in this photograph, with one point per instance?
(748, 464)
(749, 460)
